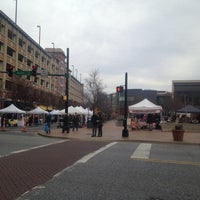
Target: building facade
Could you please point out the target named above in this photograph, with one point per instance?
(21, 52)
(186, 92)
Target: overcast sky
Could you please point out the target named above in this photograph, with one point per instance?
(154, 41)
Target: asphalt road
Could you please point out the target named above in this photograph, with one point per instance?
(29, 160)
(126, 170)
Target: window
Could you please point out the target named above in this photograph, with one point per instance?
(29, 62)
(11, 35)
(2, 28)
(29, 48)
(1, 46)
(20, 57)
(20, 42)
(10, 51)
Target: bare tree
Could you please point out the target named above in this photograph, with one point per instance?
(94, 95)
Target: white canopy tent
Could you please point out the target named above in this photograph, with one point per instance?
(71, 110)
(12, 109)
(144, 107)
(55, 112)
(38, 111)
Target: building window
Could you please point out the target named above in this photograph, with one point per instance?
(29, 63)
(10, 52)
(2, 28)
(11, 35)
(20, 42)
(20, 57)
(29, 49)
(1, 46)
(37, 54)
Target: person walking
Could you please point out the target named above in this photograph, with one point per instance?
(100, 125)
(94, 120)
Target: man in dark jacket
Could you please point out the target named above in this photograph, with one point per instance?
(95, 120)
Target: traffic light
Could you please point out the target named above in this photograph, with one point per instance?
(119, 89)
(10, 70)
(34, 70)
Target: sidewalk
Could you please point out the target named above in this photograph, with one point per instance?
(111, 132)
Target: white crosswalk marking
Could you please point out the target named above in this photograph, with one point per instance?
(142, 151)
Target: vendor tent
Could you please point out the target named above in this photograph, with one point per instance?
(12, 109)
(188, 109)
(71, 110)
(145, 106)
(55, 112)
(38, 111)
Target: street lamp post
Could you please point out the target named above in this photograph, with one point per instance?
(16, 12)
(39, 33)
(67, 90)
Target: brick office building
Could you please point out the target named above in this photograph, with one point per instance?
(19, 50)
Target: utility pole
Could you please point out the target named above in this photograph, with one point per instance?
(125, 130)
(67, 90)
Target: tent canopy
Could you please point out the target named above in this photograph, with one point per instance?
(145, 106)
(12, 109)
(38, 110)
(188, 109)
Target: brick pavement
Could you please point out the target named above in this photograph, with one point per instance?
(112, 132)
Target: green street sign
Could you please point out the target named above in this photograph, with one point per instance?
(21, 73)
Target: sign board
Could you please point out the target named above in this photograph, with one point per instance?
(44, 72)
(21, 73)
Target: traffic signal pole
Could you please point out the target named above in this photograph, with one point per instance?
(125, 130)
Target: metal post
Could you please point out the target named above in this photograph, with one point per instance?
(16, 12)
(125, 130)
(67, 90)
(39, 33)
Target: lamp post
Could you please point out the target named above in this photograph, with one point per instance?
(39, 33)
(16, 12)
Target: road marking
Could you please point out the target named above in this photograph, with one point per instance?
(91, 155)
(178, 162)
(142, 151)
(37, 147)
(84, 159)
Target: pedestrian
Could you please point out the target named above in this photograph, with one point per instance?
(65, 126)
(48, 122)
(94, 120)
(75, 122)
(100, 125)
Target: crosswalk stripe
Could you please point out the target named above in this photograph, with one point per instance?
(142, 151)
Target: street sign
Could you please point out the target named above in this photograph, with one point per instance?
(44, 72)
(21, 73)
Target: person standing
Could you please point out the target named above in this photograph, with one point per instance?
(48, 122)
(75, 122)
(65, 124)
(94, 120)
(100, 125)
